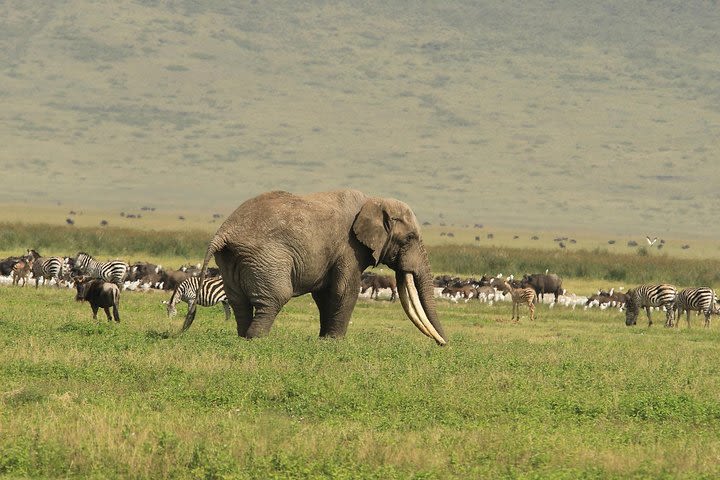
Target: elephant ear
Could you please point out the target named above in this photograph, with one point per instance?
(372, 227)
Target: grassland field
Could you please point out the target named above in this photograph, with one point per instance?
(574, 394)
(595, 121)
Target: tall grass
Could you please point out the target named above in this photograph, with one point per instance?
(107, 241)
(642, 266)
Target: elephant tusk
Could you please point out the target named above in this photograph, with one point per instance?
(415, 303)
(409, 310)
(405, 302)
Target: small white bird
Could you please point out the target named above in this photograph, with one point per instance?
(651, 242)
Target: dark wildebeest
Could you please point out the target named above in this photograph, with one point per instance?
(543, 283)
(172, 278)
(376, 282)
(466, 291)
(612, 298)
(99, 294)
(501, 285)
(6, 265)
(140, 270)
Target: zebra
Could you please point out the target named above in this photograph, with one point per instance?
(522, 295)
(47, 269)
(662, 295)
(700, 299)
(21, 270)
(113, 271)
(212, 293)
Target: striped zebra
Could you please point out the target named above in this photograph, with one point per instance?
(520, 295)
(21, 270)
(701, 299)
(113, 271)
(47, 269)
(647, 296)
(212, 293)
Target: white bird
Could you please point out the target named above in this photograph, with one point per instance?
(546, 271)
(651, 242)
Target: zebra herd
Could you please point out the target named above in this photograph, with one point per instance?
(701, 299)
(61, 269)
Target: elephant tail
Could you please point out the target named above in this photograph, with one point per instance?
(216, 244)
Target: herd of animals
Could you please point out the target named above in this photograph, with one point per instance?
(100, 284)
(532, 288)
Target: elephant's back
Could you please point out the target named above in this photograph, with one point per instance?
(280, 211)
(297, 221)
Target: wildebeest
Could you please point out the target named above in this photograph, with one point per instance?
(6, 265)
(543, 283)
(100, 294)
(607, 299)
(466, 291)
(376, 282)
(172, 278)
(141, 270)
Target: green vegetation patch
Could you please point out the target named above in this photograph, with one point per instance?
(573, 394)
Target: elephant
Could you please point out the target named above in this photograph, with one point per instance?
(279, 245)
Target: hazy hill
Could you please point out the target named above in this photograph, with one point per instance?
(575, 114)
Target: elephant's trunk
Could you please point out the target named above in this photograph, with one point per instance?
(418, 301)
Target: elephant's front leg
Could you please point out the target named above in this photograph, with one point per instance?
(336, 304)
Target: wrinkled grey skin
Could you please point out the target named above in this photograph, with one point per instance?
(279, 245)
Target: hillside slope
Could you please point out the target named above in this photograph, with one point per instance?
(560, 114)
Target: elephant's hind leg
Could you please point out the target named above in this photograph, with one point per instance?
(263, 319)
(241, 307)
(243, 316)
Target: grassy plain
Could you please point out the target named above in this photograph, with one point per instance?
(574, 394)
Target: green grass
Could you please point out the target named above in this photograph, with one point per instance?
(575, 394)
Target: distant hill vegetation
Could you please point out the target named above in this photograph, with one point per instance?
(567, 114)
